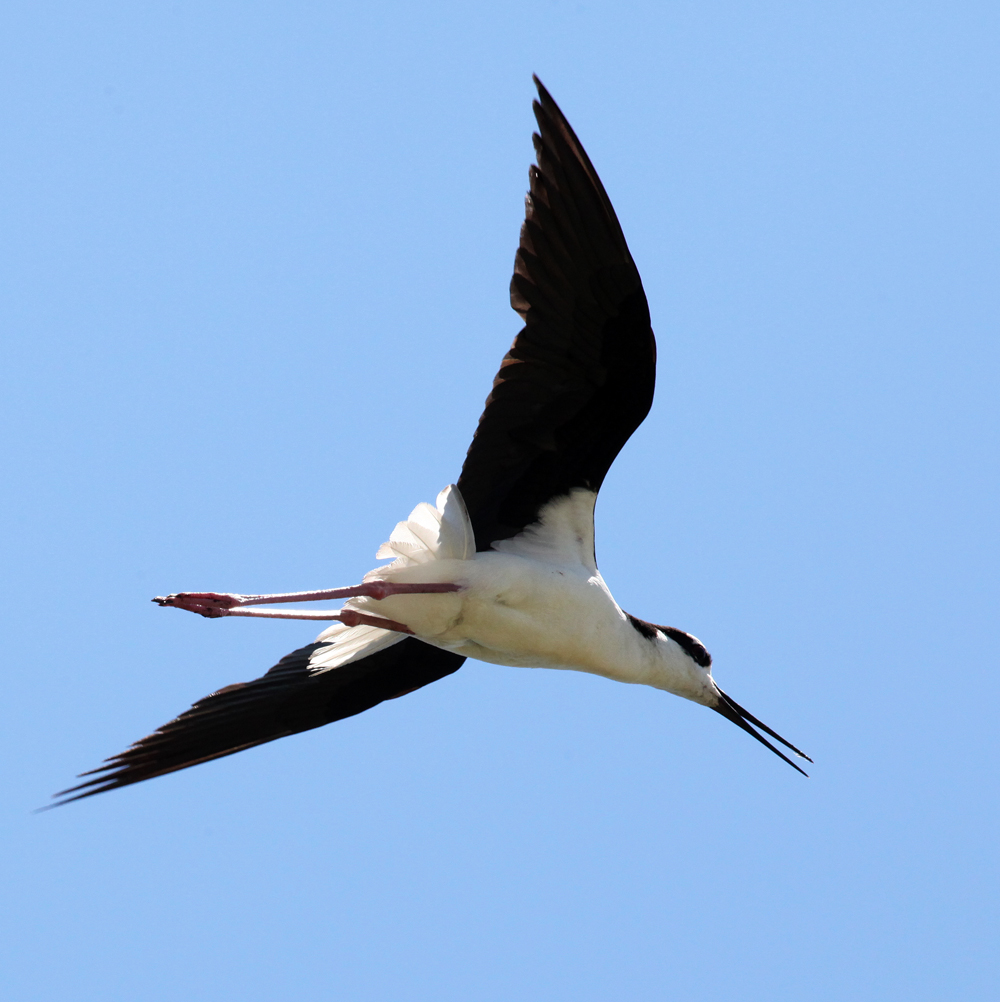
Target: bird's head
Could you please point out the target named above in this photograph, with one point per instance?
(683, 664)
(691, 677)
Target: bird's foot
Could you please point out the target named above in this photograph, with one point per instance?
(206, 603)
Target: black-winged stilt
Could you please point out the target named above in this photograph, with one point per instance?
(502, 568)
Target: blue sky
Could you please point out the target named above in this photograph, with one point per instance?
(255, 269)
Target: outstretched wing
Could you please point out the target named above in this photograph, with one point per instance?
(293, 696)
(579, 378)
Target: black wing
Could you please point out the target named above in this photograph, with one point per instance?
(579, 378)
(288, 699)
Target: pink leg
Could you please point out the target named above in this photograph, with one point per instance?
(214, 604)
(346, 616)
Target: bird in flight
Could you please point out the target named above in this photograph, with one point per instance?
(502, 567)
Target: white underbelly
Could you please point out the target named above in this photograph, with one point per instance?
(514, 611)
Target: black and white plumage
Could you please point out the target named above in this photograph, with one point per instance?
(502, 568)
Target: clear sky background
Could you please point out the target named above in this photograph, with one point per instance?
(255, 268)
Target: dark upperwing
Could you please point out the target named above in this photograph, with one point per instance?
(288, 699)
(579, 377)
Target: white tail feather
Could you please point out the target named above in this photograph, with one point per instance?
(349, 643)
(430, 533)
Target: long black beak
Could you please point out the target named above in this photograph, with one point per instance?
(732, 710)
